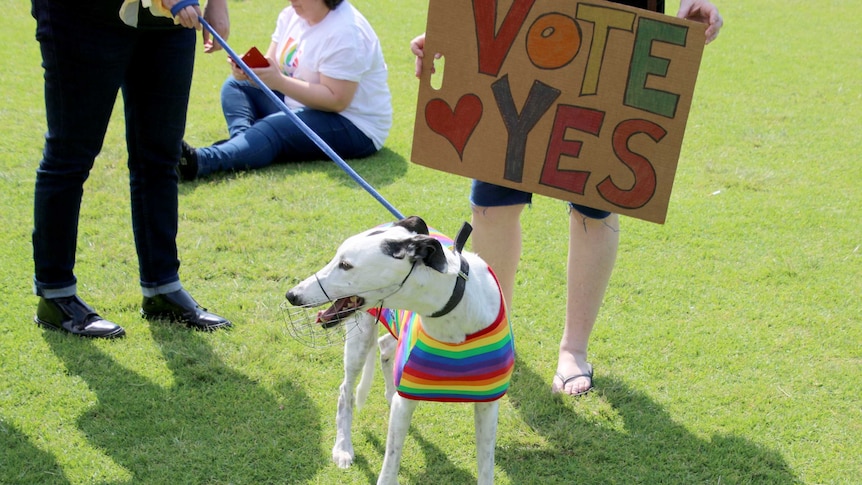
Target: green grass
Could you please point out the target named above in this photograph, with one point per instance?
(729, 348)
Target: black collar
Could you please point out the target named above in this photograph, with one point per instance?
(463, 273)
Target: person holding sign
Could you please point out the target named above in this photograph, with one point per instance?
(593, 235)
(326, 62)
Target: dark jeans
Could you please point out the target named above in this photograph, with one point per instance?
(262, 133)
(87, 62)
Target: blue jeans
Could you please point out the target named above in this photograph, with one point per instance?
(262, 134)
(87, 62)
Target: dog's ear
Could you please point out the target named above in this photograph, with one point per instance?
(414, 224)
(418, 248)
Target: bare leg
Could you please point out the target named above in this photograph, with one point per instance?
(497, 240)
(592, 253)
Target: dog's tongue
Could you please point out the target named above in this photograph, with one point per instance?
(339, 309)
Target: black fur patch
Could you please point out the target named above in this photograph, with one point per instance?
(414, 224)
(418, 248)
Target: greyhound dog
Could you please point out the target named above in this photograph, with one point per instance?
(449, 337)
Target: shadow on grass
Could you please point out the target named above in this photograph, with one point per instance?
(210, 425)
(650, 447)
(439, 467)
(21, 462)
(379, 170)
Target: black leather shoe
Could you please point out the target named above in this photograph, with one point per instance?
(187, 168)
(71, 314)
(180, 307)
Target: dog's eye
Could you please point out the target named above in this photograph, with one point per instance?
(344, 265)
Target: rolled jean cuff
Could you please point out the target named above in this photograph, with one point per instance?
(54, 292)
(162, 289)
(485, 194)
(588, 212)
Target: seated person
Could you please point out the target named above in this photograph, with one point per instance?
(326, 62)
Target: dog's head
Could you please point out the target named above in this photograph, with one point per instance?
(369, 267)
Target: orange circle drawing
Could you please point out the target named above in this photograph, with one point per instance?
(553, 41)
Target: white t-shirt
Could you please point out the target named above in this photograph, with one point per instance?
(341, 46)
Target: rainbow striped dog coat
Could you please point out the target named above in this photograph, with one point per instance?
(476, 370)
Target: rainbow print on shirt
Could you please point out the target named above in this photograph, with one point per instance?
(288, 58)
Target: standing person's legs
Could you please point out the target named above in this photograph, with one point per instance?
(83, 71)
(593, 242)
(156, 95)
(83, 66)
(593, 246)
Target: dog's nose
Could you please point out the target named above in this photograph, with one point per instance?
(292, 297)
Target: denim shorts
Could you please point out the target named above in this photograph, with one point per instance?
(484, 194)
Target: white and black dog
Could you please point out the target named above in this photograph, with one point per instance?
(447, 312)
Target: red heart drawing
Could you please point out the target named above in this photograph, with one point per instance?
(454, 125)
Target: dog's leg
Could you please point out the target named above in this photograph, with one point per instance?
(358, 344)
(367, 379)
(388, 345)
(485, 419)
(399, 423)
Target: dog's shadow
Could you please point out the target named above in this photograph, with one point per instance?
(648, 448)
(207, 423)
(439, 468)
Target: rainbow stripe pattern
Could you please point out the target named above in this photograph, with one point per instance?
(476, 370)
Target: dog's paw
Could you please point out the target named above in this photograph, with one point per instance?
(342, 458)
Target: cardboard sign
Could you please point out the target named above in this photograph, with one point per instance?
(584, 101)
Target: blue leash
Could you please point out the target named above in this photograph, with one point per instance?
(301, 124)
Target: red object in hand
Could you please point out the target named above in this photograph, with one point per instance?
(254, 59)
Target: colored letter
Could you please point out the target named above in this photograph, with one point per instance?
(643, 65)
(518, 126)
(553, 41)
(603, 19)
(645, 183)
(581, 119)
(494, 47)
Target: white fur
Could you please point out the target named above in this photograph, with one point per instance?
(360, 267)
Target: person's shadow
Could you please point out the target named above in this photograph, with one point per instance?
(643, 445)
(21, 462)
(206, 424)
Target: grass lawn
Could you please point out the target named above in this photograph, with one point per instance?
(728, 350)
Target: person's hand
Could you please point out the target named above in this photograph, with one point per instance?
(270, 75)
(188, 16)
(702, 11)
(216, 15)
(237, 71)
(417, 46)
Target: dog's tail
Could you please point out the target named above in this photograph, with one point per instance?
(367, 378)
